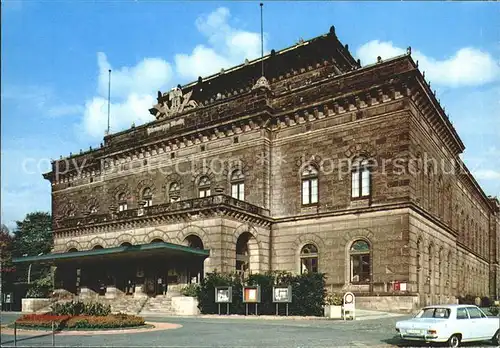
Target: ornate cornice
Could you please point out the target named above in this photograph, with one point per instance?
(187, 210)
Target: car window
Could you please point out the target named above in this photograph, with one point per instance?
(474, 313)
(440, 313)
(462, 313)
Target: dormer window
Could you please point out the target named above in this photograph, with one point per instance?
(174, 192)
(238, 185)
(122, 202)
(204, 187)
(147, 197)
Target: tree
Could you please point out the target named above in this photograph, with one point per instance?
(32, 237)
(6, 269)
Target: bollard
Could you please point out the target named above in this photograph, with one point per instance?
(53, 336)
(15, 334)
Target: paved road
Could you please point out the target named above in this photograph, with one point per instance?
(204, 332)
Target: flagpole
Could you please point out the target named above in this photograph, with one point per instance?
(262, 36)
(109, 97)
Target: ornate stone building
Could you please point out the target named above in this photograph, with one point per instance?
(319, 165)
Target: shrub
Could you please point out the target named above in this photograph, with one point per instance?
(80, 321)
(494, 310)
(308, 292)
(334, 299)
(40, 288)
(190, 290)
(78, 308)
(486, 302)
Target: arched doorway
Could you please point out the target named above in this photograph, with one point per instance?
(194, 269)
(246, 254)
(125, 244)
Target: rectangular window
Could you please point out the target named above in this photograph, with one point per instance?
(204, 193)
(314, 190)
(360, 268)
(305, 192)
(310, 191)
(122, 206)
(365, 183)
(238, 191)
(355, 185)
(148, 202)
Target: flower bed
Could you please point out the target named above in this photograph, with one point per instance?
(44, 321)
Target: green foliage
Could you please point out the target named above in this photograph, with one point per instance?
(41, 288)
(308, 292)
(190, 290)
(494, 310)
(334, 299)
(80, 308)
(32, 236)
(80, 321)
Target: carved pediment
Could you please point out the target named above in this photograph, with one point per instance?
(172, 103)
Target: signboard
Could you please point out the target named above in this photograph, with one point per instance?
(282, 294)
(349, 305)
(8, 298)
(223, 294)
(251, 294)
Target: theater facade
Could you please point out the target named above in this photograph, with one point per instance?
(303, 161)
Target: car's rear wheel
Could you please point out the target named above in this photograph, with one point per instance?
(496, 338)
(454, 341)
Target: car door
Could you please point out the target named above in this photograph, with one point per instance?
(478, 324)
(463, 324)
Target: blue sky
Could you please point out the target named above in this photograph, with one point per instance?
(55, 57)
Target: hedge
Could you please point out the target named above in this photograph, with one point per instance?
(80, 308)
(308, 292)
(80, 321)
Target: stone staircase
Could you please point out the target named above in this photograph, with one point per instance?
(159, 304)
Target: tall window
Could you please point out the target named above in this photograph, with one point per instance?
(238, 185)
(430, 264)
(122, 202)
(174, 192)
(309, 185)
(360, 262)
(204, 187)
(309, 259)
(147, 197)
(360, 178)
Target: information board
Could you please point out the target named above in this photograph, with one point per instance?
(282, 294)
(223, 294)
(251, 294)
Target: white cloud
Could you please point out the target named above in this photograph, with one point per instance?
(487, 174)
(132, 91)
(227, 47)
(467, 67)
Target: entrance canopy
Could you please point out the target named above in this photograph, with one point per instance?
(161, 249)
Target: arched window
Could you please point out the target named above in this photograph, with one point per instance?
(194, 241)
(238, 185)
(174, 192)
(93, 209)
(360, 178)
(122, 202)
(360, 262)
(204, 187)
(309, 185)
(309, 259)
(242, 253)
(419, 262)
(147, 197)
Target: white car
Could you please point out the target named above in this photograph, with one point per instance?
(452, 324)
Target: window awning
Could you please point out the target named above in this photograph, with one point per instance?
(169, 250)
